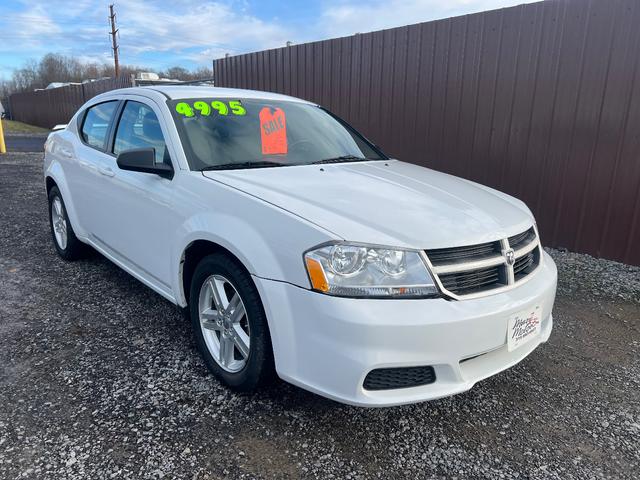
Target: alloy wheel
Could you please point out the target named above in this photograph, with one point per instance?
(59, 223)
(224, 323)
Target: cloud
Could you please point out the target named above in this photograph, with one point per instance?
(32, 26)
(151, 33)
(43, 27)
(207, 27)
(348, 17)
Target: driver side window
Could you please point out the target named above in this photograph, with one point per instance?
(139, 128)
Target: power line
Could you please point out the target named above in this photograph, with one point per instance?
(114, 40)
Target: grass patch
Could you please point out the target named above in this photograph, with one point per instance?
(11, 126)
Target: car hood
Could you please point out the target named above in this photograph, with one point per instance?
(386, 202)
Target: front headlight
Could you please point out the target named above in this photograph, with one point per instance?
(356, 270)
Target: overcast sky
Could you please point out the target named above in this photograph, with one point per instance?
(163, 33)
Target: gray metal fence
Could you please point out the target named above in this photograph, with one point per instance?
(46, 108)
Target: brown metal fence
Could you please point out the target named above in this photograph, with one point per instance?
(47, 108)
(541, 101)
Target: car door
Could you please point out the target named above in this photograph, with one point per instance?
(136, 212)
(89, 161)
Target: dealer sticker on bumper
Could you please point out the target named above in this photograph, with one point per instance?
(523, 327)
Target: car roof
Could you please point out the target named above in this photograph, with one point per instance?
(176, 92)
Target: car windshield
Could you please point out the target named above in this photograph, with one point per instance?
(233, 133)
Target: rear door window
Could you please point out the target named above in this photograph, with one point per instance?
(95, 126)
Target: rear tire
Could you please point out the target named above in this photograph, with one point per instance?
(64, 238)
(230, 325)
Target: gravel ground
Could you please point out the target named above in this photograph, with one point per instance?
(100, 379)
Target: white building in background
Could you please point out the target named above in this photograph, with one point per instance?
(59, 84)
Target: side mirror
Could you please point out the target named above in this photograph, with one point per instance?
(143, 160)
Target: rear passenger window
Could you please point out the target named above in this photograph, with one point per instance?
(96, 124)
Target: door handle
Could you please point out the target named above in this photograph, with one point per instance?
(65, 153)
(106, 171)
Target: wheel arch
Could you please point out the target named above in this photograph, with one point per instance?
(192, 254)
(198, 249)
(50, 183)
(54, 176)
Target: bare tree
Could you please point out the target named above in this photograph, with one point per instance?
(55, 67)
(180, 73)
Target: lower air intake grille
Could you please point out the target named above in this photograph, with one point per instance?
(392, 378)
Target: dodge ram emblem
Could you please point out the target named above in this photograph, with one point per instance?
(510, 256)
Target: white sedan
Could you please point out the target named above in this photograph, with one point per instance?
(298, 248)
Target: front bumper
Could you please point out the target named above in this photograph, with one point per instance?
(328, 344)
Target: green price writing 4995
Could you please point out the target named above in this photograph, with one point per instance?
(205, 108)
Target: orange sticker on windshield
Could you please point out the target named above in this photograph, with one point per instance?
(273, 131)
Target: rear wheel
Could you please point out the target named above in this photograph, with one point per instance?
(229, 323)
(64, 238)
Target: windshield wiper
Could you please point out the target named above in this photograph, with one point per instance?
(340, 159)
(240, 165)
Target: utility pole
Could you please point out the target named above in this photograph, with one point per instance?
(114, 41)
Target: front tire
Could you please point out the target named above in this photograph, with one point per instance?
(230, 325)
(64, 238)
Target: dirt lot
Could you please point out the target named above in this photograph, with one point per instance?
(100, 379)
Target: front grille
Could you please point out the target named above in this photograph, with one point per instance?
(526, 264)
(443, 256)
(404, 377)
(522, 239)
(481, 268)
(472, 281)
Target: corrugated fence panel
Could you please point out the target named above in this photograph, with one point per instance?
(47, 108)
(541, 101)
